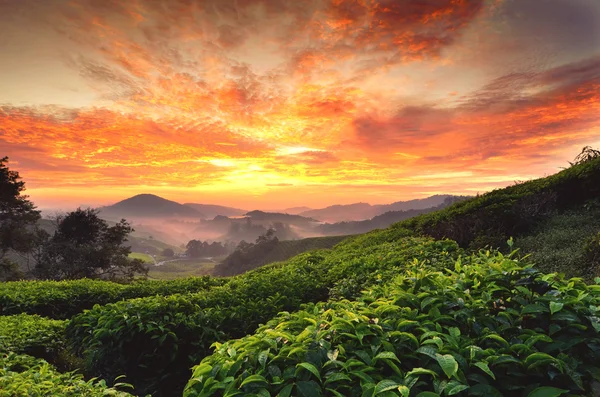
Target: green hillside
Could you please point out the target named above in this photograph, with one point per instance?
(414, 310)
(290, 248)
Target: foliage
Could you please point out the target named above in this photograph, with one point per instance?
(491, 218)
(22, 375)
(146, 258)
(17, 216)
(84, 246)
(246, 254)
(592, 253)
(558, 243)
(168, 253)
(155, 340)
(33, 335)
(9, 270)
(63, 299)
(182, 268)
(281, 251)
(587, 154)
(489, 326)
(204, 249)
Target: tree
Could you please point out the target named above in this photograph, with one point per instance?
(168, 252)
(587, 154)
(84, 246)
(17, 214)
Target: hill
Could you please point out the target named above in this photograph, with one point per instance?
(274, 251)
(145, 206)
(553, 218)
(381, 221)
(296, 210)
(364, 211)
(340, 213)
(388, 313)
(210, 210)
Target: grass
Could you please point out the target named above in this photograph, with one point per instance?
(139, 255)
(181, 269)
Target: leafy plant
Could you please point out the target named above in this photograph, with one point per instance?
(63, 299)
(489, 326)
(33, 335)
(22, 375)
(154, 341)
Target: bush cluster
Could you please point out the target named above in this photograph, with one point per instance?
(33, 335)
(22, 375)
(488, 326)
(154, 341)
(64, 299)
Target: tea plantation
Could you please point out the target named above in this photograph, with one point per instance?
(415, 310)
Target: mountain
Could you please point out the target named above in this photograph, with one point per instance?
(383, 220)
(211, 210)
(340, 213)
(364, 211)
(149, 206)
(417, 204)
(296, 210)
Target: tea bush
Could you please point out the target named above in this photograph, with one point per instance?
(63, 299)
(22, 375)
(489, 326)
(33, 335)
(154, 341)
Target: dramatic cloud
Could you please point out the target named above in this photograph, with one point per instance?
(268, 100)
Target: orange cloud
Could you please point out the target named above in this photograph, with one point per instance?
(264, 97)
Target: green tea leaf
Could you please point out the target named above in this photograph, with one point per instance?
(547, 391)
(555, 307)
(311, 368)
(448, 364)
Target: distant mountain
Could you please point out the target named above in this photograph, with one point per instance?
(211, 210)
(262, 217)
(383, 220)
(417, 204)
(296, 210)
(149, 206)
(363, 211)
(340, 213)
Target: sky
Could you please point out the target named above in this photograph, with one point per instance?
(282, 103)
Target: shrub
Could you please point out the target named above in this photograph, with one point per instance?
(33, 335)
(63, 299)
(154, 341)
(22, 375)
(488, 327)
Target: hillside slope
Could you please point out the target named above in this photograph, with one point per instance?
(555, 217)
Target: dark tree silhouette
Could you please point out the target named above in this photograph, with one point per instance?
(84, 246)
(17, 213)
(18, 218)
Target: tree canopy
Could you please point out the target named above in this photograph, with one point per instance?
(84, 245)
(17, 213)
